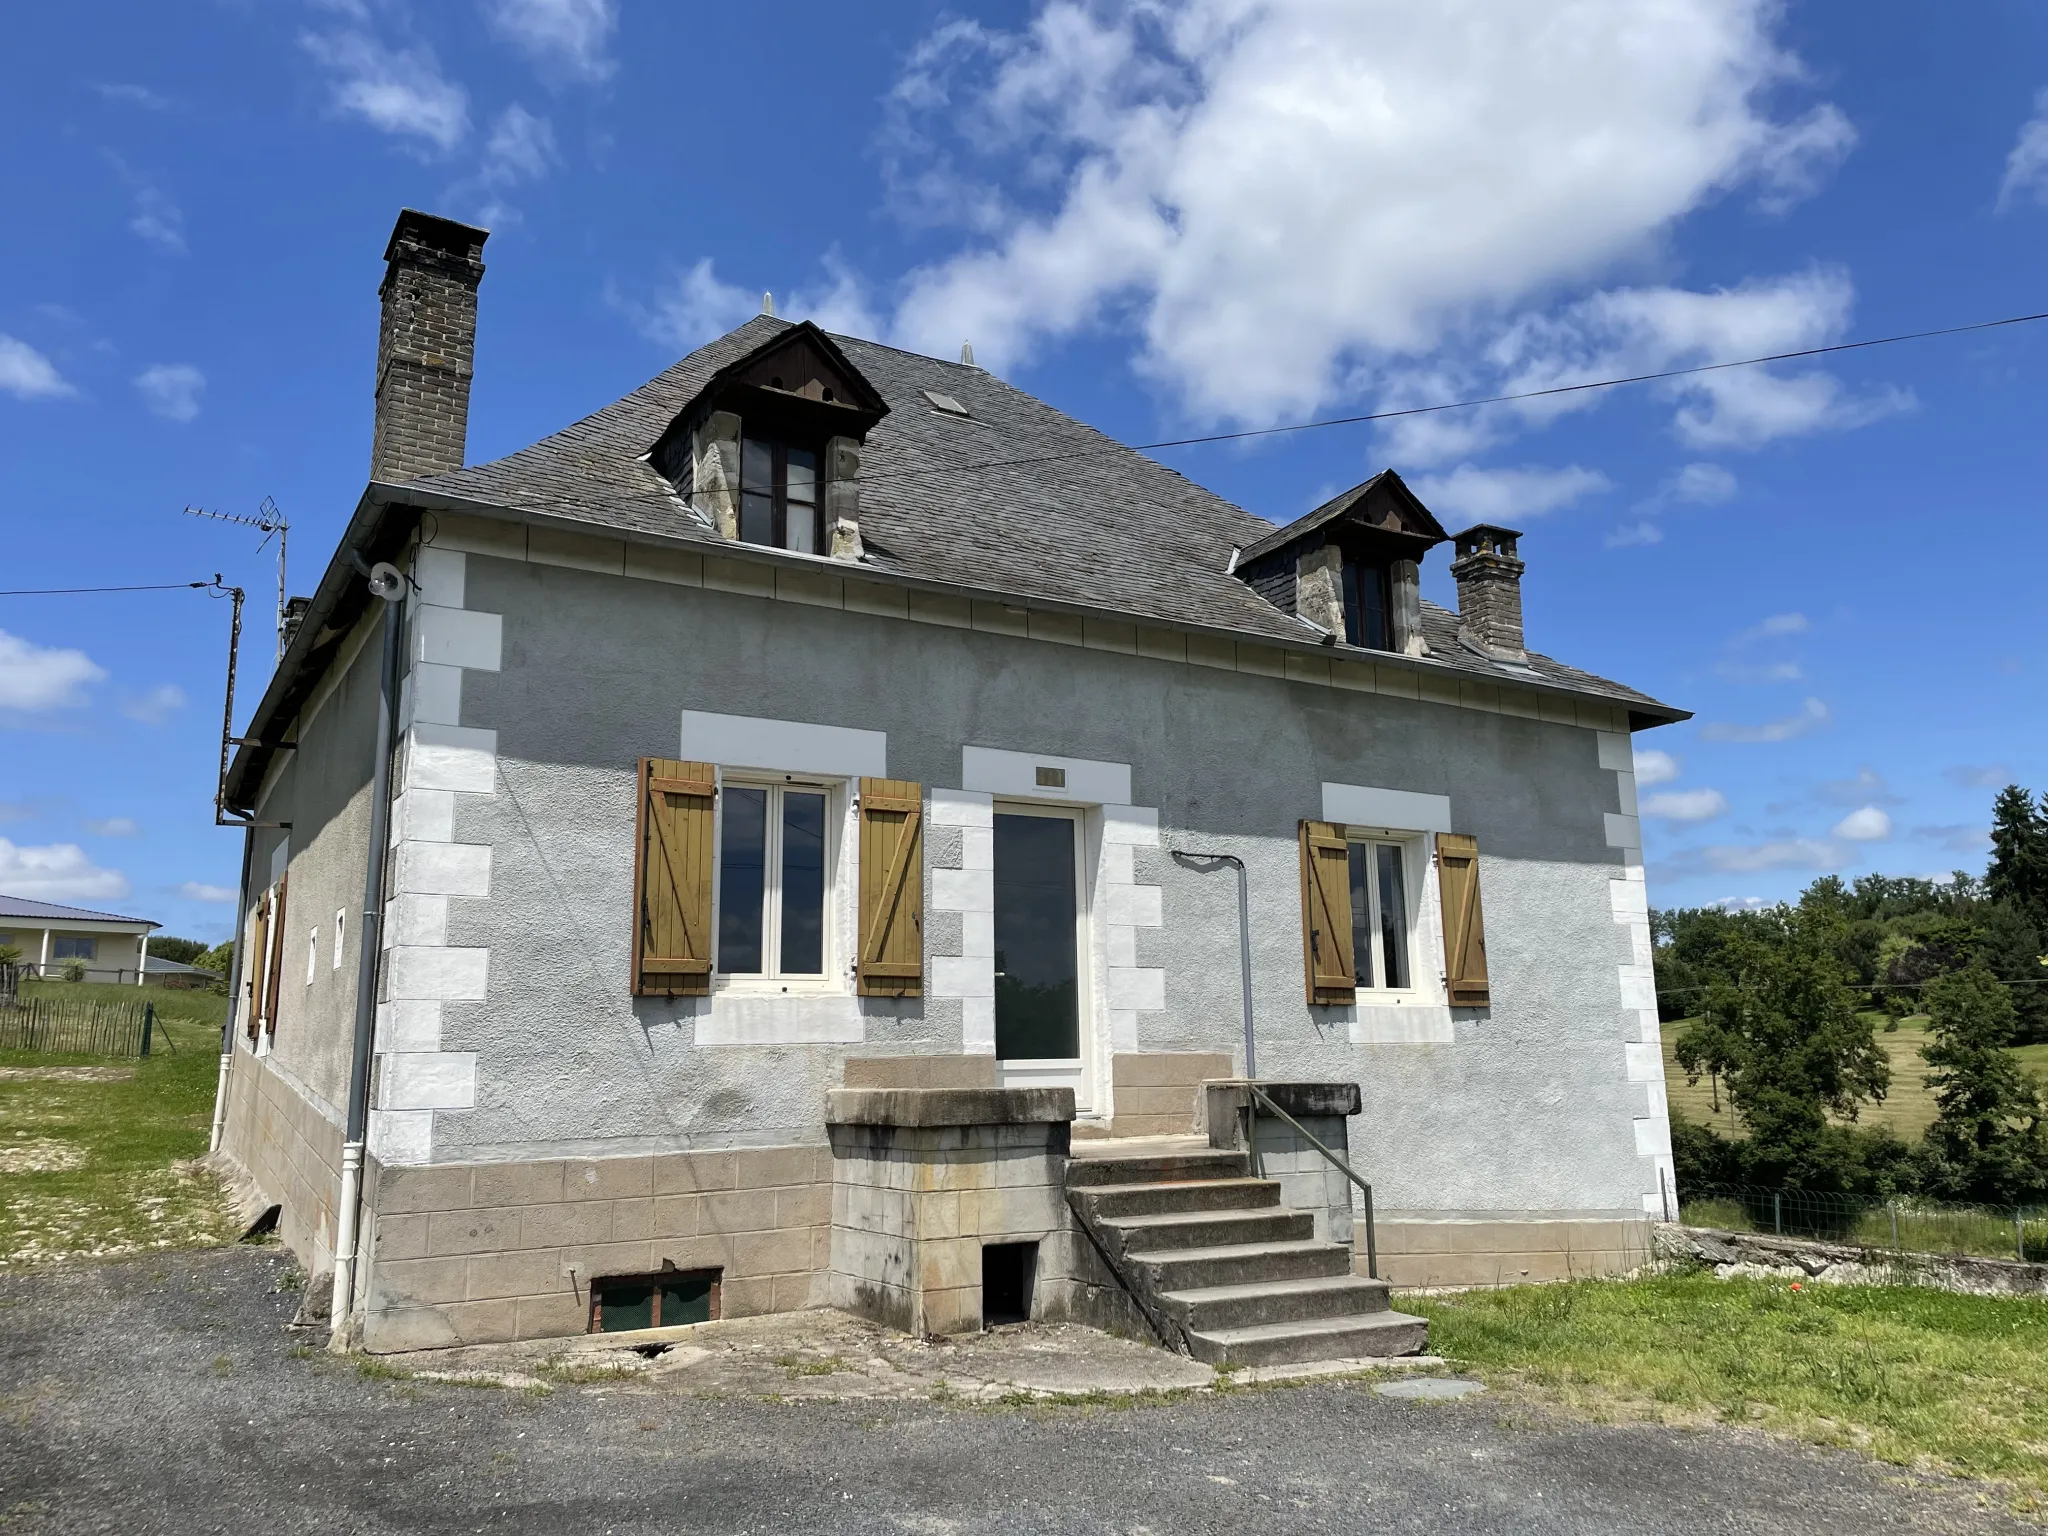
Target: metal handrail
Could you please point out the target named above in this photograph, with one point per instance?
(1259, 1096)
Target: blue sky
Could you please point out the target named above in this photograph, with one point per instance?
(1165, 219)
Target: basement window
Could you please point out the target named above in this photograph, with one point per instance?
(1007, 1273)
(624, 1303)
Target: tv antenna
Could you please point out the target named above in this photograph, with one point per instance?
(269, 520)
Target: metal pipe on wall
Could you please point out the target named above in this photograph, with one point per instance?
(1191, 859)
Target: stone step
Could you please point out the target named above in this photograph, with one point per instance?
(1189, 1269)
(1358, 1336)
(1276, 1301)
(1085, 1171)
(1141, 1236)
(1113, 1202)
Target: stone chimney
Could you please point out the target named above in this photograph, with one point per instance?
(1489, 576)
(426, 346)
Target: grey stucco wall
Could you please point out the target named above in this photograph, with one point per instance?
(323, 790)
(1527, 1108)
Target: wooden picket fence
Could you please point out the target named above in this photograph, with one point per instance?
(63, 1026)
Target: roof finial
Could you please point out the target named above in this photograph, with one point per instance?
(767, 303)
(967, 353)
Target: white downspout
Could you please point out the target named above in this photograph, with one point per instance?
(227, 1028)
(141, 956)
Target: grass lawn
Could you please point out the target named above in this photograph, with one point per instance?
(95, 1152)
(1918, 1377)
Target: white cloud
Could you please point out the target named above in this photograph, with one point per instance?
(1867, 824)
(1285, 198)
(2026, 168)
(1867, 787)
(28, 375)
(171, 390)
(567, 37)
(155, 706)
(1957, 837)
(1700, 485)
(159, 220)
(1979, 775)
(133, 95)
(398, 91)
(1770, 672)
(56, 872)
(521, 146)
(194, 890)
(114, 826)
(1795, 163)
(1503, 495)
(1794, 853)
(1626, 534)
(36, 677)
(1742, 903)
(1767, 629)
(1654, 767)
(1687, 805)
(1812, 715)
(696, 307)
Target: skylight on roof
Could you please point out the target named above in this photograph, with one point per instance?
(947, 404)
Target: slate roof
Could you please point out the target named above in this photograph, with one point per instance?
(22, 907)
(1018, 499)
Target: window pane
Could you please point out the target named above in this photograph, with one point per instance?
(803, 475)
(1361, 913)
(685, 1299)
(1365, 606)
(757, 517)
(803, 528)
(742, 866)
(1393, 914)
(1038, 990)
(803, 884)
(757, 465)
(625, 1307)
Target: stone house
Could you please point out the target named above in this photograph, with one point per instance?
(807, 801)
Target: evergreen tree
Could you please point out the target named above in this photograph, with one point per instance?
(1781, 1029)
(1987, 1142)
(2018, 875)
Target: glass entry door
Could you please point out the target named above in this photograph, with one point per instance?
(1038, 945)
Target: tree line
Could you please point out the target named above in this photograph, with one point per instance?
(1782, 1007)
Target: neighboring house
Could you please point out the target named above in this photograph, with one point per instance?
(50, 937)
(175, 974)
(790, 763)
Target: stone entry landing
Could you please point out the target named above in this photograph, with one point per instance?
(1219, 1268)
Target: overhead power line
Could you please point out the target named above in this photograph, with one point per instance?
(1477, 401)
(166, 586)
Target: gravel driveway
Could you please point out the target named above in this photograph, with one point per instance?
(165, 1395)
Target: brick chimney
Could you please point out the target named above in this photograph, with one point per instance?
(426, 346)
(1489, 576)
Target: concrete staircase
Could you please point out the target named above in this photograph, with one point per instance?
(1221, 1270)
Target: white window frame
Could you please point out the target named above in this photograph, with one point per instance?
(770, 978)
(1414, 847)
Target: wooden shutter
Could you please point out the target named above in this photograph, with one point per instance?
(891, 888)
(672, 879)
(1326, 913)
(255, 960)
(272, 991)
(1457, 867)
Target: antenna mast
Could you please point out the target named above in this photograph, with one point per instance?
(269, 520)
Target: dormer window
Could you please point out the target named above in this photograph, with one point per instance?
(779, 494)
(1365, 606)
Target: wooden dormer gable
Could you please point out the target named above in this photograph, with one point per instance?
(797, 384)
(1381, 518)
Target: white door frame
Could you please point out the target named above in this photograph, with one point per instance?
(1079, 1073)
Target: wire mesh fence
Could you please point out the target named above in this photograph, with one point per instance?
(1903, 1223)
(78, 1027)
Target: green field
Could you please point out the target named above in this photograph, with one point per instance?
(1907, 1109)
(1912, 1376)
(96, 1153)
